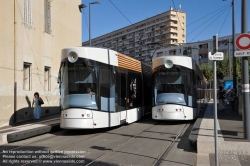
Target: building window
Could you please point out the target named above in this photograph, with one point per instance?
(27, 76)
(27, 13)
(47, 16)
(47, 78)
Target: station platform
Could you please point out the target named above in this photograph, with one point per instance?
(29, 129)
(233, 149)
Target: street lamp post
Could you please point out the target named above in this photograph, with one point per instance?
(96, 2)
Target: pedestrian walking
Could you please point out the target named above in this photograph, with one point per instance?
(37, 102)
(221, 96)
(232, 99)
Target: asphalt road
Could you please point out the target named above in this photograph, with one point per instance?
(144, 143)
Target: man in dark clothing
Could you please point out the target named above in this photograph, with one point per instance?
(221, 97)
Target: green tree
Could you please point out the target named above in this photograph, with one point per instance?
(222, 68)
(207, 71)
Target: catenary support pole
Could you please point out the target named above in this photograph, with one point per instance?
(245, 75)
(233, 48)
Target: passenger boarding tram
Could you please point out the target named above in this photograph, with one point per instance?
(178, 88)
(102, 88)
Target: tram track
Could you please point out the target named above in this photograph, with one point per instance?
(125, 143)
(66, 146)
(119, 146)
(169, 147)
(159, 158)
(59, 133)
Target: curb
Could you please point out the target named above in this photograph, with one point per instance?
(193, 136)
(28, 133)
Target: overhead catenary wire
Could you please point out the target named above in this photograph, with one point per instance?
(217, 14)
(121, 12)
(207, 26)
(219, 9)
(224, 21)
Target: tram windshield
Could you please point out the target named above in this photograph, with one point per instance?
(79, 84)
(174, 86)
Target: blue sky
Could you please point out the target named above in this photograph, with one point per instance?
(106, 18)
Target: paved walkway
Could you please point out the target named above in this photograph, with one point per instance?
(233, 149)
(29, 128)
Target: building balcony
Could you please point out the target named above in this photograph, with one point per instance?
(173, 37)
(173, 18)
(126, 52)
(203, 60)
(126, 42)
(144, 37)
(171, 43)
(223, 47)
(163, 32)
(129, 37)
(203, 51)
(172, 24)
(172, 31)
(145, 54)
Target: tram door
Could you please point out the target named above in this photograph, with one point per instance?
(123, 99)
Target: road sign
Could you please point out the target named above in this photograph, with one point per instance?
(242, 53)
(218, 56)
(242, 42)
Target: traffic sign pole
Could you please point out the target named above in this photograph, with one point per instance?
(215, 49)
(245, 76)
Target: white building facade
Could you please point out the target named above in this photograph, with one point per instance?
(199, 50)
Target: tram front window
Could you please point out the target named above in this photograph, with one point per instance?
(173, 86)
(78, 89)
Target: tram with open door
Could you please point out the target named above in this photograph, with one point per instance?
(102, 88)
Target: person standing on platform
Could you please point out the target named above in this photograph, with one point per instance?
(221, 97)
(37, 102)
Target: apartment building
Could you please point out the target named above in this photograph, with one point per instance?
(138, 40)
(31, 41)
(199, 50)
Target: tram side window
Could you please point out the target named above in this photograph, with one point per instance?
(107, 89)
(135, 90)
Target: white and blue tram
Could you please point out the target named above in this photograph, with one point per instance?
(178, 88)
(102, 88)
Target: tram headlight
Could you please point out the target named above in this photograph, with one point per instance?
(169, 64)
(72, 57)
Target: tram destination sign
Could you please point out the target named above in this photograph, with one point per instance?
(218, 56)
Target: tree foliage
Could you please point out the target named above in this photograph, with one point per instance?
(207, 71)
(223, 68)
